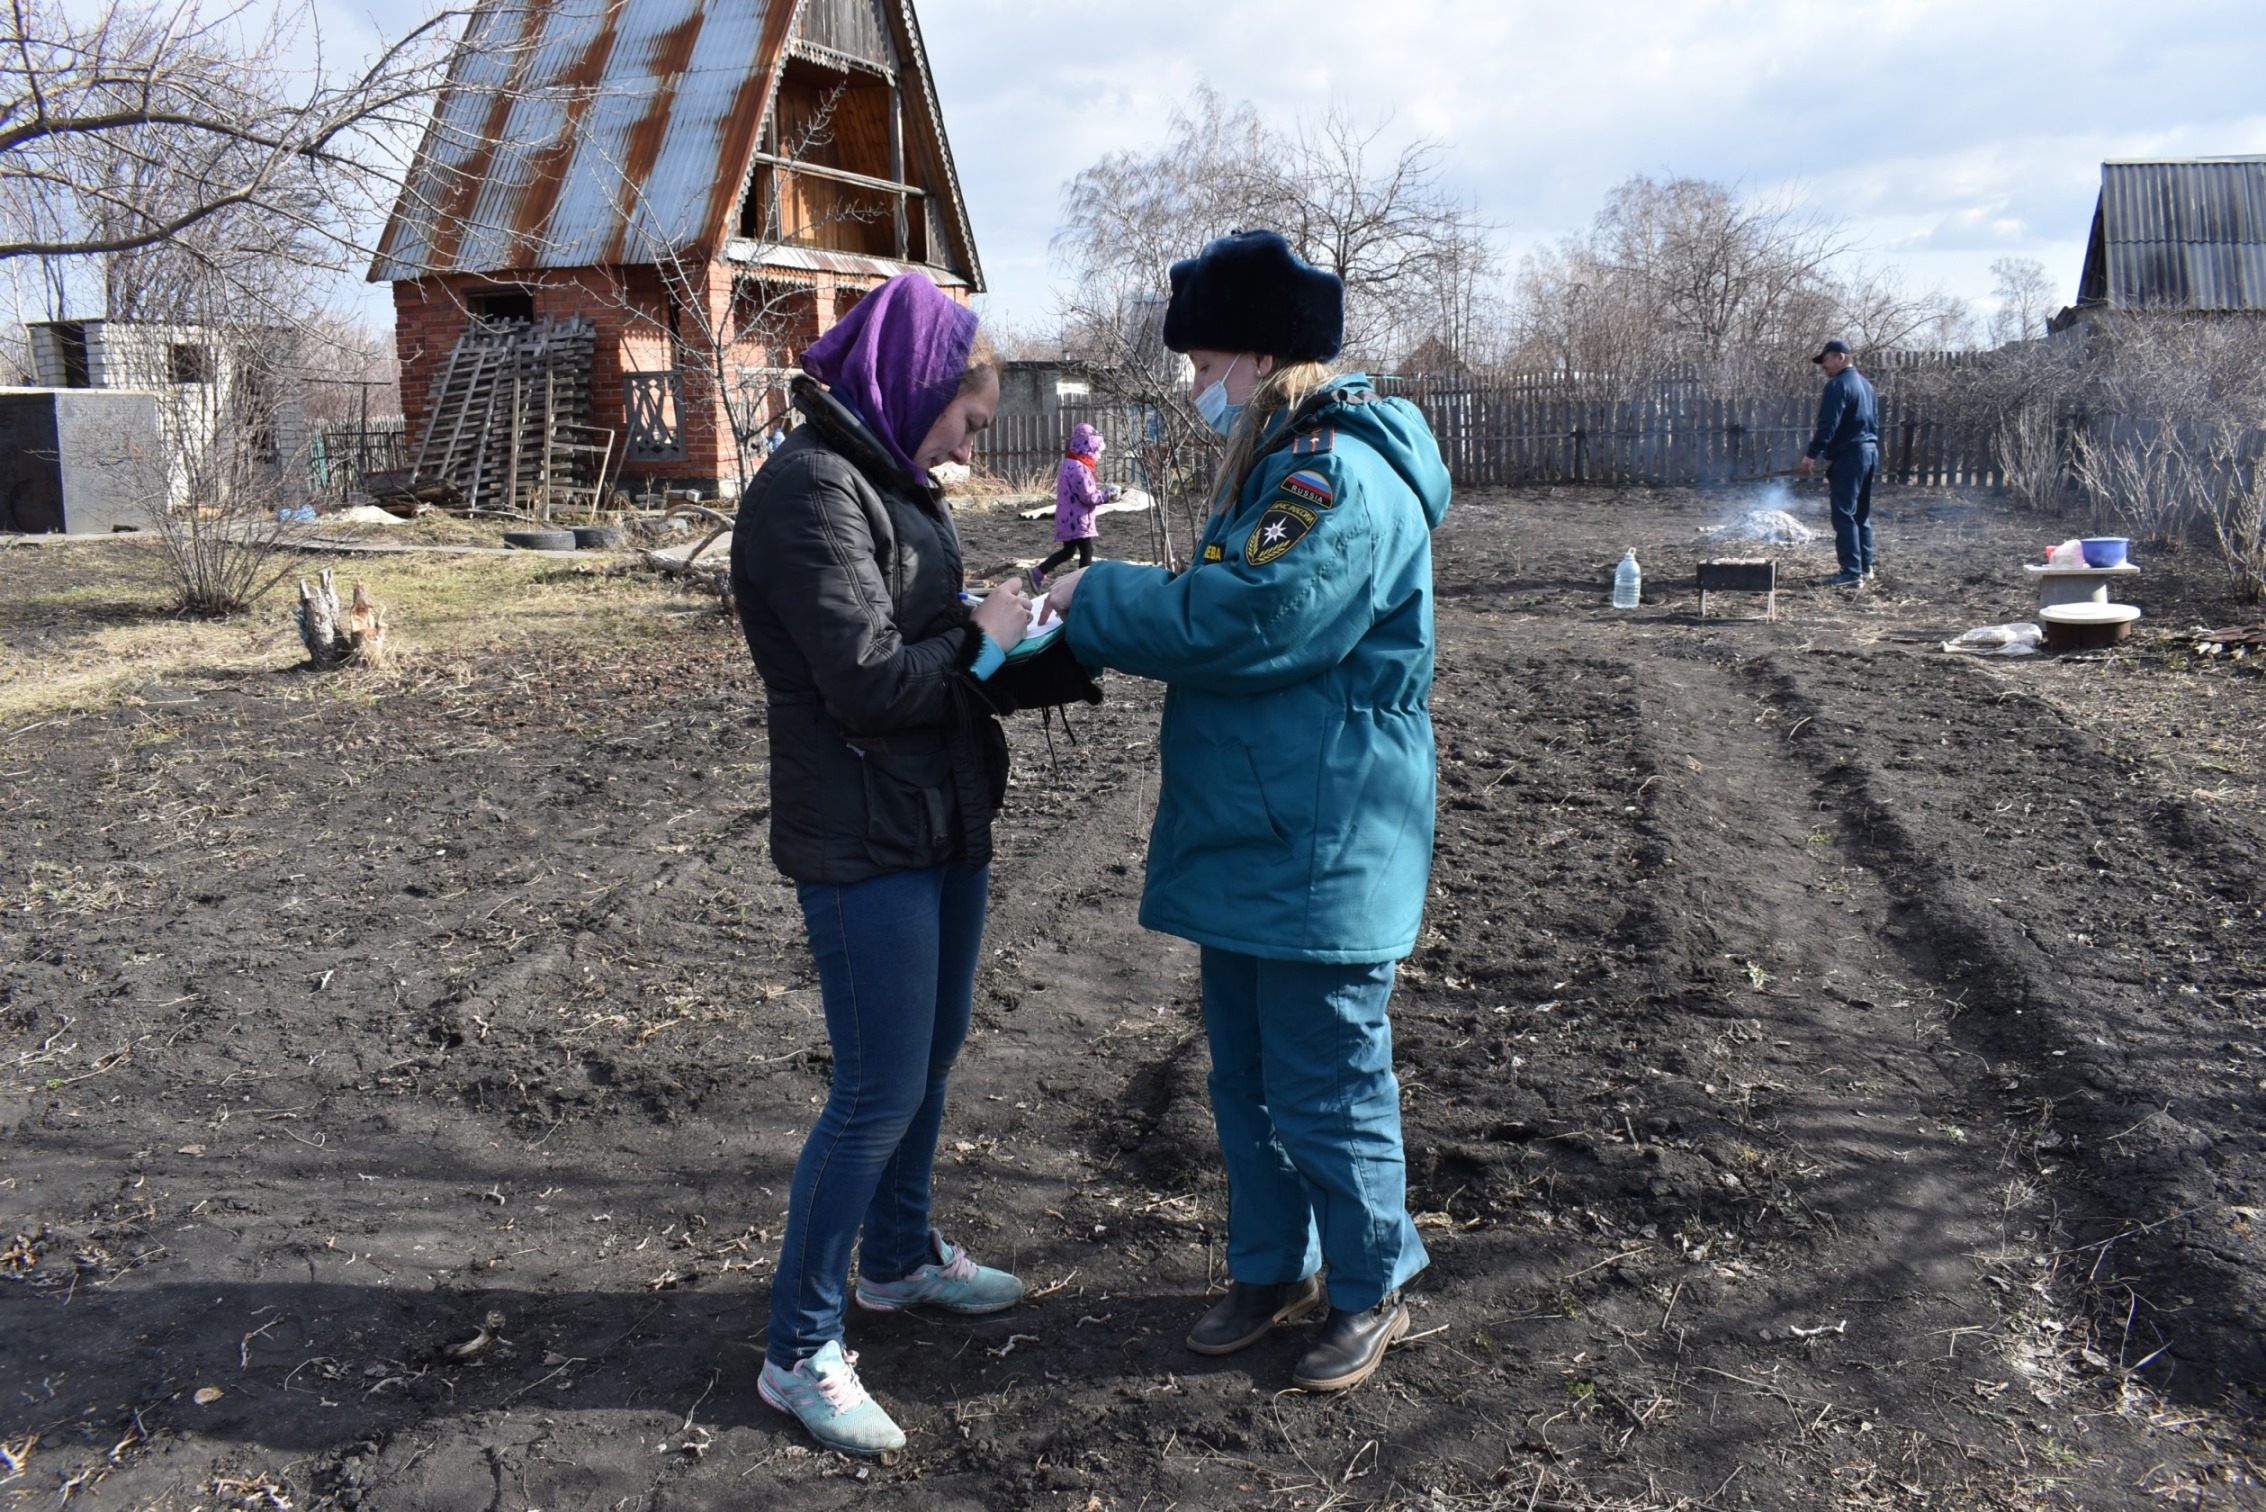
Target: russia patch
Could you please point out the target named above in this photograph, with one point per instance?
(1283, 526)
(1214, 554)
(1312, 487)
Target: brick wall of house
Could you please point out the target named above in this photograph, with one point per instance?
(629, 308)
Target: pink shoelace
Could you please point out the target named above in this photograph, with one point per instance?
(958, 1268)
(842, 1388)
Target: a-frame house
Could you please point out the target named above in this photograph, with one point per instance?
(685, 193)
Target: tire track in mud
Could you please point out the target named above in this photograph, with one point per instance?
(1729, 1115)
(1729, 1064)
(2104, 1017)
(1842, 1122)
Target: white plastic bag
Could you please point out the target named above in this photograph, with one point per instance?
(2017, 639)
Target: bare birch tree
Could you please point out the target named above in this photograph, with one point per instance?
(1414, 258)
(2025, 295)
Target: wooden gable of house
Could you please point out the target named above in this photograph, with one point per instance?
(852, 168)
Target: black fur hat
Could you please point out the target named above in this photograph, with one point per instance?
(1248, 292)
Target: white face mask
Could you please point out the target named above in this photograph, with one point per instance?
(1212, 405)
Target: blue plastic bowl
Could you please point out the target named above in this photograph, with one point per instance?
(2104, 551)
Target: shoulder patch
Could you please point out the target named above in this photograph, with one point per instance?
(1311, 486)
(1315, 442)
(1214, 554)
(1283, 526)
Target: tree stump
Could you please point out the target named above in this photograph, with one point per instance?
(354, 636)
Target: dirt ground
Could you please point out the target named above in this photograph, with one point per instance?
(1834, 1070)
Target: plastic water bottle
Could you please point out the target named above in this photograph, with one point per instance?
(1628, 582)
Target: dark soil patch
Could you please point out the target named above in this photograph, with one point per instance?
(1834, 1073)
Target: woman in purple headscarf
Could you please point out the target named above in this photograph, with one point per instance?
(886, 769)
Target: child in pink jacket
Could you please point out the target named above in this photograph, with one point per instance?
(1078, 492)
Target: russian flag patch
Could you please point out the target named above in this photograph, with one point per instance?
(1310, 486)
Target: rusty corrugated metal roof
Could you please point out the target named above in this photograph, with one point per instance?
(583, 133)
(575, 133)
(2187, 235)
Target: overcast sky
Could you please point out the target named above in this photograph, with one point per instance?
(1946, 133)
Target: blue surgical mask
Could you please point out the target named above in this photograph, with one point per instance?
(1212, 405)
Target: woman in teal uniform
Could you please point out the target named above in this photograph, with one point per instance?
(1293, 837)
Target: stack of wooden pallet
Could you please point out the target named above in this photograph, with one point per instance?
(509, 426)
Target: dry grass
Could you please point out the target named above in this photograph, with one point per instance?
(83, 623)
(2162, 684)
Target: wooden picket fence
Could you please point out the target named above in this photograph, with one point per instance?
(1520, 434)
(1028, 449)
(1498, 436)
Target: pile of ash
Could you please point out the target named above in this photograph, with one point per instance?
(1770, 527)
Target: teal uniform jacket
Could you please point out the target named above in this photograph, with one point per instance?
(1295, 821)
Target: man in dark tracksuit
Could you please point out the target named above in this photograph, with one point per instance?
(1848, 438)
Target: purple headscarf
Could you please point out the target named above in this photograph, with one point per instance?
(896, 359)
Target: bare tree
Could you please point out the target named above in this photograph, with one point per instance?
(1126, 220)
(2026, 398)
(232, 476)
(136, 130)
(1877, 312)
(1681, 274)
(1729, 277)
(2238, 512)
(1415, 260)
(2025, 296)
(1412, 256)
(353, 372)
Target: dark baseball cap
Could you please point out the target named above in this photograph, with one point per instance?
(1835, 345)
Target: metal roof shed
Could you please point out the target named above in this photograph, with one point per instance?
(2185, 235)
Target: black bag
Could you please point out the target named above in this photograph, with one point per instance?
(1046, 679)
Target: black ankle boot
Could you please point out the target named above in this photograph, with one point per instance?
(1243, 1316)
(1350, 1346)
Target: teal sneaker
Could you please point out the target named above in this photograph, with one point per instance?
(951, 1281)
(824, 1394)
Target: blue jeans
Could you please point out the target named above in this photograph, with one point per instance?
(1309, 1119)
(1850, 476)
(897, 973)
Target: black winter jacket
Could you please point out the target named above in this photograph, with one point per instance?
(884, 752)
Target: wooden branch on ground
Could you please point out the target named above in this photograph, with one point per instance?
(714, 517)
(712, 576)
